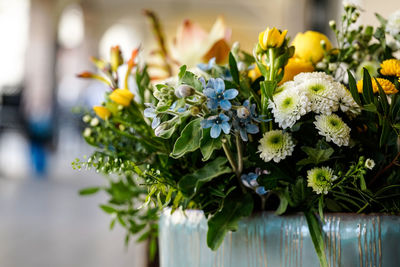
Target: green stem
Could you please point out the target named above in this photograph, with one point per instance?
(229, 155)
(271, 64)
(239, 155)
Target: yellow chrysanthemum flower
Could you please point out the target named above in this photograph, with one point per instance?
(308, 46)
(122, 97)
(391, 67)
(102, 112)
(294, 67)
(387, 86)
(271, 38)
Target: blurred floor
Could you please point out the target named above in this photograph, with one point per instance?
(45, 223)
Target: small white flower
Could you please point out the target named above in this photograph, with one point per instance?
(87, 132)
(320, 179)
(289, 105)
(347, 103)
(369, 164)
(341, 74)
(393, 24)
(275, 145)
(333, 128)
(94, 122)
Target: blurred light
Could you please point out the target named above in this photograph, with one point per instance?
(71, 27)
(14, 155)
(119, 34)
(14, 17)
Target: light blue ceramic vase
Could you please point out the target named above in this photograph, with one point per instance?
(281, 241)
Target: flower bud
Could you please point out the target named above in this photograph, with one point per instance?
(271, 38)
(122, 97)
(86, 118)
(332, 66)
(241, 66)
(121, 127)
(194, 110)
(323, 44)
(321, 65)
(159, 130)
(87, 132)
(94, 122)
(355, 16)
(332, 24)
(243, 113)
(184, 91)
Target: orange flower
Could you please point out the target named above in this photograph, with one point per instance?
(391, 67)
(294, 67)
(386, 85)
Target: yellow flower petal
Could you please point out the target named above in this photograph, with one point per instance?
(271, 38)
(387, 86)
(294, 67)
(391, 67)
(102, 112)
(122, 97)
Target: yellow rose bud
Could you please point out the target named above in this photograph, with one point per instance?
(102, 112)
(116, 58)
(308, 46)
(271, 38)
(294, 67)
(387, 86)
(122, 97)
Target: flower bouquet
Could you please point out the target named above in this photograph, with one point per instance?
(287, 128)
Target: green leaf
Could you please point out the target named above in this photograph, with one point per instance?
(381, 19)
(385, 132)
(363, 185)
(190, 183)
(268, 88)
(316, 236)
(189, 78)
(383, 98)
(331, 205)
(108, 209)
(370, 107)
(321, 207)
(208, 144)
(262, 68)
(234, 69)
(236, 206)
(189, 140)
(182, 71)
(315, 155)
(353, 88)
(89, 191)
(368, 93)
(283, 202)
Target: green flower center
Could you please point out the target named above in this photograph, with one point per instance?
(335, 123)
(287, 103)
(317, 88)
(275, 141)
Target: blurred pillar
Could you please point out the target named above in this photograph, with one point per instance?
(40, 63)
(40, 79)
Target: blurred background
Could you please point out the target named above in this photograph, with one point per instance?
(44, 43)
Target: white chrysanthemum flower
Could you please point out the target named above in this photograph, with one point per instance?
(305, 76)
(369, 164)
(289, 105)
(393, 24)
(333, 128)
(322, 95)
(347, 103)
(320, 179)
(275, 145)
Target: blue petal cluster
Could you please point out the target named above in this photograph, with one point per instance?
(217, 124)
(217, 95)
(250, 180)
(243, 121)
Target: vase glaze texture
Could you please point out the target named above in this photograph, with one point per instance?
(266, 239)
